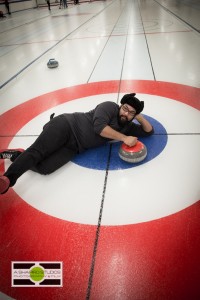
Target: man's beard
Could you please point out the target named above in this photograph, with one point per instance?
(123, 121)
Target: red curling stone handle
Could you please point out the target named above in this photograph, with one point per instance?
(136, 148)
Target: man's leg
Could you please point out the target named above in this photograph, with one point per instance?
(55, 135)
(55, 161)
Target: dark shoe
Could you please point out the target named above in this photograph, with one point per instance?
(4, 184)
(9, 153)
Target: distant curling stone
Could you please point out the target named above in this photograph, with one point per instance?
(52, 63)
(133, 154)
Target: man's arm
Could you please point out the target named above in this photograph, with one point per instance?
(110, 133)
(129, 140)
(143, 129)
(145, 124)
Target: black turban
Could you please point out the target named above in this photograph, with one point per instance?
(131, 100)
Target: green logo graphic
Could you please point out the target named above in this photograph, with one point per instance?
(37, 274)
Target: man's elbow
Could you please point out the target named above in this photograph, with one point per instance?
(150, 132)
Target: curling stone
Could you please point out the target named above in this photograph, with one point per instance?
(133, 154)
(52, 63)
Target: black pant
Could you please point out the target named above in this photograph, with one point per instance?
(49, 6)
(8, 8)
(54, 147)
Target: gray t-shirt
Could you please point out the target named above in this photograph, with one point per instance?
(87, 127)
